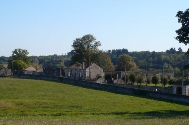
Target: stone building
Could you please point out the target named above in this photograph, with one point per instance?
(5, 72)
(33, 71)
(181, 88)
(80, 72)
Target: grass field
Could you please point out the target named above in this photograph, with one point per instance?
(24, 101)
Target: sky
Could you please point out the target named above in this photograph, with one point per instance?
(48, 27)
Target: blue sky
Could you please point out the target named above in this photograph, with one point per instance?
(47, 27)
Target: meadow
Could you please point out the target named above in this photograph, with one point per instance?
(24, 101)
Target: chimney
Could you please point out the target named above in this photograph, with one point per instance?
(83, 65)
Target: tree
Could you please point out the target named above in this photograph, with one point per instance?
(126, 62)
(180, 50)
(84, 48)
(155, 79)
(183, 32)
(148, 80)
(103, 60)
(132, 78)
(19, 60)
(164, 80)
(21, 54)
(18, 65)
(35, 63)
(140, 79)
(172, 81)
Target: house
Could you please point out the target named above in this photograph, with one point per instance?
(94, 71)
(73, 71)
(29, 70)
(5, 72)
(80, 72)
(181, 88)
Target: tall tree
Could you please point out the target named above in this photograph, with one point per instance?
(155, 79)
(132, 78)
(19, 60)
(140, 79)
(84, 48)
(21, 54)
(103, 60)
(127, 63)
(164, 80)
(148, 80)
(183, 32)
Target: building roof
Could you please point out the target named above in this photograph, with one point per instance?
(94, 65)
(30, 69)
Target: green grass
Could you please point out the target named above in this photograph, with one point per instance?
(36, 101)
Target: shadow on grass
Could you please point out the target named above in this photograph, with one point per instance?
(136, 115)
(162, 114)
(155, 114)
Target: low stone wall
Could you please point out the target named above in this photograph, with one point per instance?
(113, 88)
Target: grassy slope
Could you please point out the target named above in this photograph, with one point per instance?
(43, 99)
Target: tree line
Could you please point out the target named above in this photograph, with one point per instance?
(172, 61)
(146, 60)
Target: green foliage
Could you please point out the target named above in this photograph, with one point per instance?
(155, 79)
(54, 61)
(78, 64)
(127, 63)
(103, 60)
(3, 59)
(20, 54)
(172, 59)
(183, 32)
(18, 65)
(19, 61)
(35, 63)
(132, 78)
(117, 52)
(172, 81)
(148, 80)
(140, 79)
(164, 80)
(84, 49)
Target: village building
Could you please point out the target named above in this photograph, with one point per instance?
(5, 72)
(181, 88)
(80, 72)
(29, 70)
(33, 71)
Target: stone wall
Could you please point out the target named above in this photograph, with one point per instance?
(113, 88)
